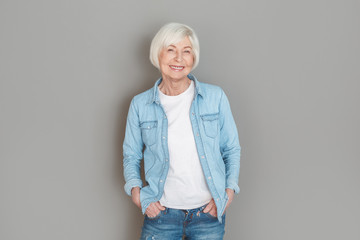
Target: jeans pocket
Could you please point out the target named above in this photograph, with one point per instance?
(157, 216)
(210, 216)
(154, 218)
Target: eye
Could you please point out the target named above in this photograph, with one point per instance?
(170, 50)
(187, 51)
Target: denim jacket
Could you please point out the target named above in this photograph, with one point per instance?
(216, 140)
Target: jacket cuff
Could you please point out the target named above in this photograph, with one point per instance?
(132, 183)
(232, 185)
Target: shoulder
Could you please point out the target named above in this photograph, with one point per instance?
(142, 98)
(211, 90)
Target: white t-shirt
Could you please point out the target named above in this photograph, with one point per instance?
(185, 185)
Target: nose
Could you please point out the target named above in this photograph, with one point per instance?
(178, 56)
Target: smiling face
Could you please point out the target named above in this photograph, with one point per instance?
(176, 60)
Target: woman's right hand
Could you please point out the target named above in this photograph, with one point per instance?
(135, 196)
(154, 209)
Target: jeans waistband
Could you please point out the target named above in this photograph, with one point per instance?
(194, 209)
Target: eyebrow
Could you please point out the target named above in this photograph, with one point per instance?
(175, 47)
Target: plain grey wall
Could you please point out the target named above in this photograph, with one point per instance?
(68, 70)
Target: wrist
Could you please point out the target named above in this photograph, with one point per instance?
(135, 190)
(230, 190)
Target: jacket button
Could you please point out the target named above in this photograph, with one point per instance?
(209, 178)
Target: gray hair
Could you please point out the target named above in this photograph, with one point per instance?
(173, 33)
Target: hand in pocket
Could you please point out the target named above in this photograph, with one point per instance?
(154, 209)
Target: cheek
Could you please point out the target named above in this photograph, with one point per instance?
(190, 61)
(163, 58)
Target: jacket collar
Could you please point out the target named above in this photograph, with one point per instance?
(154, 91)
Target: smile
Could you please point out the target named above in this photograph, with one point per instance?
(177, 68)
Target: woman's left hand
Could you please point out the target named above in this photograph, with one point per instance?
(230, 193)
(211, 208)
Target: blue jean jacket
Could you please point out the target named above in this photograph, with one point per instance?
(215, 134)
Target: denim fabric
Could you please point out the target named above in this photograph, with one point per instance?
(172, 224)
(216, 140)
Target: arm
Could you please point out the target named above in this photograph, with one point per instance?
(230, 151)
(132, 150)
(229, 145)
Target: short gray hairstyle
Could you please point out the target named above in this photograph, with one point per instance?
(173, 33)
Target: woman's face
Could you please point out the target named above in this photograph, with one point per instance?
(176, 60)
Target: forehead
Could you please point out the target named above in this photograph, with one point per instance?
(185, 42)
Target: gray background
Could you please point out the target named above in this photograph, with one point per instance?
(69, 69)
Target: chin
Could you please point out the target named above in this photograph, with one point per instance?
(179, 77)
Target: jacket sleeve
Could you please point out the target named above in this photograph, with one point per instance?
(229, 144)
(132, 150)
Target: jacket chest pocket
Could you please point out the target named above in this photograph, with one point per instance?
(148, 132)
(211, 124)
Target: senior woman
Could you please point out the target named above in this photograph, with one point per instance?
(185, 132)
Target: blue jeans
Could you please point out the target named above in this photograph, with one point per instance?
(173, 224)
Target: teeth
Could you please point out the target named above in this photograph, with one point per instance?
(175, 67)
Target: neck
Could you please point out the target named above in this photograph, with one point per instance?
(172, 87)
